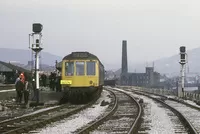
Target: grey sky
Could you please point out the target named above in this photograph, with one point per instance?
(153, 28)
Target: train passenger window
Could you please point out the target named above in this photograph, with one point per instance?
(90, 68)
(69, 68)
(80, 65)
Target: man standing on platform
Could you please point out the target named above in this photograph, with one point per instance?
(16, 87)
(26, 92)
(19, 88)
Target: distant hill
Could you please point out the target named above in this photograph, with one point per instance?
(167, 65)
(170, 65)
(23, 56)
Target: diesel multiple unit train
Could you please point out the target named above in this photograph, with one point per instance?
(82, 77)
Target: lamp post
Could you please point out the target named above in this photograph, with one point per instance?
(36, 46)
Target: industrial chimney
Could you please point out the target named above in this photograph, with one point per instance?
(124, 58)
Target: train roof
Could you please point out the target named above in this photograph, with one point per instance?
(81, 55)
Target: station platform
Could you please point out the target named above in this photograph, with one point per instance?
(45, 95)
(6, 86)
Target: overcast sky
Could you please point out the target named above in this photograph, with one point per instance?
(152, 28)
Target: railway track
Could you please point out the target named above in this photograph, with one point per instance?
(123, 118)
(192, 114)
(32, 121)
(187, 116)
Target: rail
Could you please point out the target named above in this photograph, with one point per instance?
(181, 117)
(41, 121)
(87, 129)
(134, 125)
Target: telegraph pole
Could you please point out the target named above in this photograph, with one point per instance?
(183, 61)
(36, 46)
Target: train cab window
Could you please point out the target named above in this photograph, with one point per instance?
(80, 65)
(91, 68)
(69, 68)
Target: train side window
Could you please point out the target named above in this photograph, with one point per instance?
(91, 68)
(69, 68)
(80, 67)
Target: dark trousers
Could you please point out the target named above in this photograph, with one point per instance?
(58, 87)
(34, 94)
(52, 85)
(26, 96)
(44, 83)
(19, 96)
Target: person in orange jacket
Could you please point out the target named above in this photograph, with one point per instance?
(22, 77)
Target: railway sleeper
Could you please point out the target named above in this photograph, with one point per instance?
(43, 121)
(180, 116)
(8, 128)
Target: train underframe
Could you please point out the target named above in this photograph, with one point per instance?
(111, 83)
(80, 95)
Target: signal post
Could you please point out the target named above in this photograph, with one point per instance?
(183, 61)
(36, 46)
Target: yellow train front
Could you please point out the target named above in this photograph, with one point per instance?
(82, 77)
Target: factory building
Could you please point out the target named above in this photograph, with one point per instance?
(148, 79)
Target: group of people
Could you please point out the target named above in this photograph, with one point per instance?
(54, 81)
(22, 89)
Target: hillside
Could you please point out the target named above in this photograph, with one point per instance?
(170, 65)
(167, 65)
(23, 56)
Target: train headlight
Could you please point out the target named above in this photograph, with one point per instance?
(91, 82)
